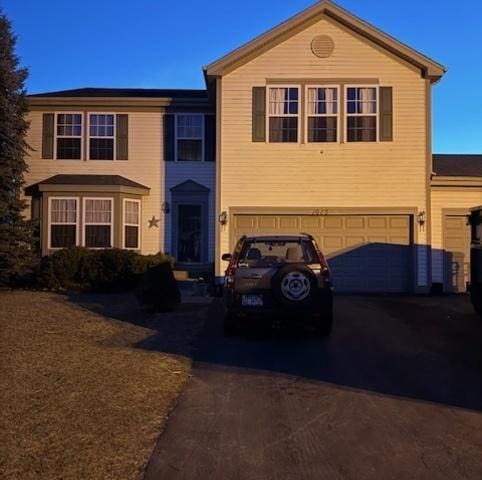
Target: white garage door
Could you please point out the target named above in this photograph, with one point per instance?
(367, 253)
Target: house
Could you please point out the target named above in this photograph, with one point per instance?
(320, 125)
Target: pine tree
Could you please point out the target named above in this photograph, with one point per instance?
(15, 232)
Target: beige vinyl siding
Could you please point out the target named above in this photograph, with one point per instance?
(391, 174)
(446, 198)
(143, 166)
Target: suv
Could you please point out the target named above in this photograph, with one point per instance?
(286, 277)
(476, 260)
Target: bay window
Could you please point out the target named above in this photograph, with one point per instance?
(283, 110)
(132, 210)
(98, 215)
(63, 222)
(322, 113)
(361, 113)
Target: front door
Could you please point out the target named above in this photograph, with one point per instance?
(189, 234)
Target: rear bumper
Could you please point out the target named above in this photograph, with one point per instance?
(322, 305)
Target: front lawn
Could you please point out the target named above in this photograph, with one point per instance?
(85, 395)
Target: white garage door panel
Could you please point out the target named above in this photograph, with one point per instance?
(367, 253)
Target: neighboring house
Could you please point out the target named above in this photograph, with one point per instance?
(321, 125)
(456, 188)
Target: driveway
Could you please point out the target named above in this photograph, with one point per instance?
(395, 393)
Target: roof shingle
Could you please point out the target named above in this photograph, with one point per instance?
(126, 93)
(454, 165)
(82, 180)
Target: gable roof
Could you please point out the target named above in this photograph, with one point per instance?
(189, 186)
(446, 165)
(428, 67)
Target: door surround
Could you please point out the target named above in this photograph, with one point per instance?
(190, 193)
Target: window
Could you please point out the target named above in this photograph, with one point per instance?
(189, 137)
(322, 112)
(131, 223)
(69, 136)
(98, 222)
(272, 253)
(283, 107)
(361, 110)
(63, 215)
(101, 136)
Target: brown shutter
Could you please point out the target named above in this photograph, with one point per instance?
(209, 138)
(169, 139)
(48, 135)
(386, 114)
(259, 114)
(122, 137)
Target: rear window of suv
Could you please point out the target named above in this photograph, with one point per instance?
(269, 253)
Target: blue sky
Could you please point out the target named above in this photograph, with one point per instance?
(162, 44)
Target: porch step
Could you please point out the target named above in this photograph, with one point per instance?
(194, 271)
(181, 275)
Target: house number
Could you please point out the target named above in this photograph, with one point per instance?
(319, 213)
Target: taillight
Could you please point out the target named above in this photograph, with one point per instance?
(231, 270)
(325, 269)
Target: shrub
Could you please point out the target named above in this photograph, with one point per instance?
(63, 270)
(112, 271)
(158, 289)
(80, 269)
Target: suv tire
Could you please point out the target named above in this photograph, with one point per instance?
(295, 286)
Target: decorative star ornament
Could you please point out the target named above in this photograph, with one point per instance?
(154, 222)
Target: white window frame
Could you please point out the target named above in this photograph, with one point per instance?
(338, 114)
(376, 115)
(203, 134)
(82, 130)
(85, 224)
(49, 221)
(114, 147)
(125, 224)
(285, 115)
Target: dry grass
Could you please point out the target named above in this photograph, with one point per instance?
(84, 396)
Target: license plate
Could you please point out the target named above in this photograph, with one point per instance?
(252, 300)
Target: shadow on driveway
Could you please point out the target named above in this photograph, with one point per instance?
(426, 348)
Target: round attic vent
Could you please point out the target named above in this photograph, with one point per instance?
(323, 46)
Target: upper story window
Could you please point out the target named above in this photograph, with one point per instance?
(189, 137)
(101, 136)
(69, 136)
(98, 232)
(362, 113)
(322, 113)
(63, 219)
(283, 110)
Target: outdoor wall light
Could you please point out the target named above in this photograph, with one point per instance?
(166, 207)
(223, 218)
(421, 218)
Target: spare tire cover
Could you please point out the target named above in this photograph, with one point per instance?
(294, 285)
